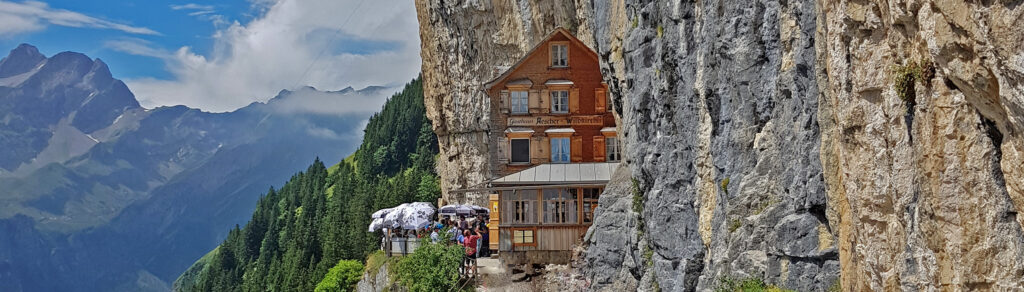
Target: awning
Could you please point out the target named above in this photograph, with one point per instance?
(518, 130)
(560, 130)
(608, 130)
(561, 174)
(558, 82)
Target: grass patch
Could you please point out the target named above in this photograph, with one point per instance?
(648, 256)
(638, 198)
(836, 287)
(764, 206)
(734, 224)
(727, 284)
(636, 21)
(725, 185)
(661, 31)
(376, 260)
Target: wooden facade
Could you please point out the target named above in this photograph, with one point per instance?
(551, 121)
(528, 110)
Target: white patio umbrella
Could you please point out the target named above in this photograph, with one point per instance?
(376, 224)
(379, 214)
(455, 210)
(410, 216)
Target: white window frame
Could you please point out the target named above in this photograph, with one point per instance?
(561, 147)
(519, 101)
(560, 55)
(512, 151)
(611, 149)
(560, 101)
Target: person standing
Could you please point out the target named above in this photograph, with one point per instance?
(485, 242)
(471, 250)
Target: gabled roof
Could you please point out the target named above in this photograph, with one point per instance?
(515, 66)
(561, 173)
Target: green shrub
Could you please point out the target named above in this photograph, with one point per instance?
(727, 284)
(342, 277)
(661, 31)
(636, 21)
(432, 267)
(904, 79)
(734, 224)
(725, 185)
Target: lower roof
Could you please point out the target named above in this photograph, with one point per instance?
(560, 174)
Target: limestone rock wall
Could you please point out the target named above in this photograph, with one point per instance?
(926, 182)
(771, 139)
(719, 113)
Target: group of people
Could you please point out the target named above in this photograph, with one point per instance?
(473, 236)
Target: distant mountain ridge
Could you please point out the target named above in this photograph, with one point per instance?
(100, 194)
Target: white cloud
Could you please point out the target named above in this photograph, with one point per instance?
(192, 6)
(21, 17)
(292, 43)
(136, 46)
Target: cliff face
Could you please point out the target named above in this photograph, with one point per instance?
(719, 110)
(799, 142)
(925, 182)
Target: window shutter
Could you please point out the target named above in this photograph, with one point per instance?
(535, 101)
(599, 154)
(574, 100)
(600, 100)
(540, 149)
(577, 148)
(504, 101)
(504, 150)
(545, 101)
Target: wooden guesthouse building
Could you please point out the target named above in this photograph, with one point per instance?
(556, 149)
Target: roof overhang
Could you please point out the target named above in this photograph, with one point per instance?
(594, 173)
(507, 72)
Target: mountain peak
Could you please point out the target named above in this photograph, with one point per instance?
(20, 60)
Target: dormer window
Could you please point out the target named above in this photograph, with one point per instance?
(559, 55)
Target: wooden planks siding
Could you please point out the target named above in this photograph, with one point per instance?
(547, 237)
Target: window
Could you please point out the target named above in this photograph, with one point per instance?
(520, 150)
(560, 101)
(590, 196)
(560, 206)
(560, 150)
(519, 207)
(611, 149)
(523, 236)
(559, 55)
(519, 101)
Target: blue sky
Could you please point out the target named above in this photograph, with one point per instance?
(221, 55)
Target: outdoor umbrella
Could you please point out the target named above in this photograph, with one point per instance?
(376, 224)
(380, 213)
(455, 210)
(481, 210)
(410, 216)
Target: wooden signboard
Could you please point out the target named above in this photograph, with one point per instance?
(589, 120)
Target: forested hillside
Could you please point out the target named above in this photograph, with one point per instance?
(319, 217)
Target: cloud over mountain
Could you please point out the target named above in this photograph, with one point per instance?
(322, 43)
